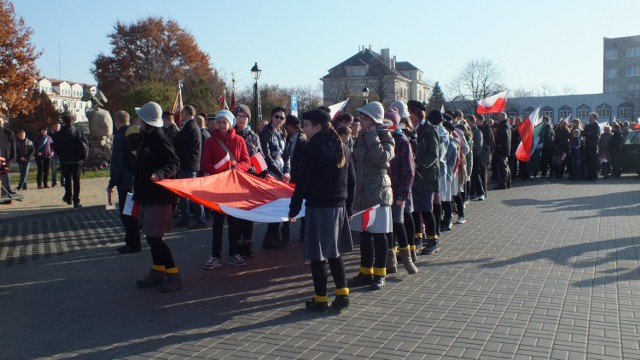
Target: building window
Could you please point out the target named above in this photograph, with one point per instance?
(633, 87)
(610, 88)
(584, 111)
(633, 52)
(513, 113)
(611, 54)
(547, 111)
(610, 73)
(527, 111)
(356, 71)
(564, 112)
(604, 110)
(625, 111)
(633, 70)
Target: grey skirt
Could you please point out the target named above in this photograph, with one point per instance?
(326, 233)
(422, 201)
(155, 220)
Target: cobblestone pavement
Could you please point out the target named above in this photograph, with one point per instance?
(544, 270)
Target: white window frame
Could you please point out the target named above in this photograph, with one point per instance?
(633, 70)
(633, 52)
(611, 73)
(611, 54)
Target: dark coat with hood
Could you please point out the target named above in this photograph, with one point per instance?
(155, 155)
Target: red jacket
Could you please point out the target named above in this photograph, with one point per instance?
(213, 153)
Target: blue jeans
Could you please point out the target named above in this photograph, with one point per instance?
(185, 204)
(54, 171)
(24, 171)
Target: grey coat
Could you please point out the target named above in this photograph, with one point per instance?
(372, 153)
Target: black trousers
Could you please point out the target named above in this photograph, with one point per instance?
(591, 159)
(42, 176)
(160, 252)
(218, 227)
(502, 166)
(71, 175)
(130, 223)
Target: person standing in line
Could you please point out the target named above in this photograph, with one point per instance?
(169, 125)
(223, 145)
(591, 135)
(373, 151)
(43, 143)
(502, 151)
(55, 160)
(24, 155)
(68, 147)
(187, 144)
(156, 161)
(7, 151)
(326, 183)
(615, 146)
(121, 177)
(293, 149)
(251, 139)
(272, 141)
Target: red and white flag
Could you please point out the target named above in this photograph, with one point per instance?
(131, 207)
(258, 162)
(238, 194)
(336, 109)
(525, 128)
(368, 217)
(493, 104)
(222, 101)
(224, 163)
(233, 99)
(177, 108)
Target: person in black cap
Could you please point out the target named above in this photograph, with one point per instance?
(293, 149)
(327, 183)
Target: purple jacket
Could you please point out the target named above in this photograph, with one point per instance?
(402, 167)
(42, 144)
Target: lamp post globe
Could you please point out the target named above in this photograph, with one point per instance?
(365, 94)
(255, 73)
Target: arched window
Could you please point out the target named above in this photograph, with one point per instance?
(604, 110)
(564, 112)
(583, 111)
(547, 111)
(527, 111)
(625, 111)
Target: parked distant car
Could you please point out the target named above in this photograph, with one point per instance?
(630, 156)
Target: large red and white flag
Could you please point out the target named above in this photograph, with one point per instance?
(258, 162)
(336, 109)
(177, 108)
(493, 104)
(238, 194)
(525, 128)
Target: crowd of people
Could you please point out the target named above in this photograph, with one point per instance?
(395, 176)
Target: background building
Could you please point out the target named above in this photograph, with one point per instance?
(67, 95)
(386, 78)
(621, 64)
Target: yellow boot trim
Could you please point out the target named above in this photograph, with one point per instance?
(321, 299)
(395, 249)
(173, 270)
(413, 248)
(432, 237)
(366, 271)
(418, 235)
(405, 248)
(380, 271)
(157, 267)
(342, 292)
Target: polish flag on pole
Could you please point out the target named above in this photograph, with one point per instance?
(336, 109)
(224, 163)
(131, 207)
(222, 101)
(493, 104)
(368, 217)
(525, 128)
(233, 98)
(258, 162)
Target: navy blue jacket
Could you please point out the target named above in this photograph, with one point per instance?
(120, 174)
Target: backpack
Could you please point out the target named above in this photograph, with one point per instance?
(83, 148)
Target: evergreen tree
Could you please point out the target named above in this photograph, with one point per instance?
(436, 99)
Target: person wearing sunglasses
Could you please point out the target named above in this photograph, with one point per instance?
(272, 142)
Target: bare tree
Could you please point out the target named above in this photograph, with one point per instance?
(479, 79)
(545, 90)
(520, 92)
(568, 90)
(381, 84)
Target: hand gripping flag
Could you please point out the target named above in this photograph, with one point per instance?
(493, 104)
(238, 194)
(258, 162)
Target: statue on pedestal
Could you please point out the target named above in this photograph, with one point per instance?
(100, 131)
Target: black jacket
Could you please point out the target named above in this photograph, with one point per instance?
(295, 159)
(503, 139)
(591, 134)
(272, 143)
(188, 146)
(120, 172)
(321, 183)
(155, 155)
(8, 150)
(67, 144)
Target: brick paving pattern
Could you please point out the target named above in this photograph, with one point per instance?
(544, 270)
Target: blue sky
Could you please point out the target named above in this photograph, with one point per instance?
(555, 43)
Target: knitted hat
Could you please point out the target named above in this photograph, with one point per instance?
(435, 117)
(228, 116)
(151, 114)
(317, 116)
(392, 115)
(242, 108)
(401, 107)
(373, 110)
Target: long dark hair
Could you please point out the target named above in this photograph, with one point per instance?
(325, 126)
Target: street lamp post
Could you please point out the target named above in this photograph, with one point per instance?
(365, 94)
(257, 107)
